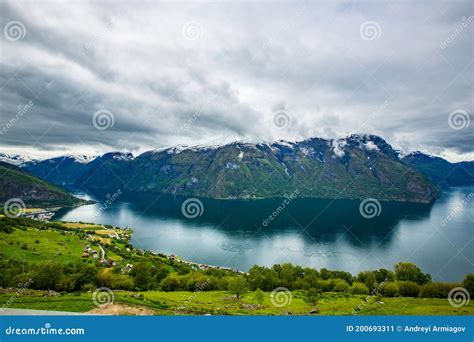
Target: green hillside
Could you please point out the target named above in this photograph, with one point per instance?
(16, 183)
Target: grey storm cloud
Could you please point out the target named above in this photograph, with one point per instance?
(184, 73)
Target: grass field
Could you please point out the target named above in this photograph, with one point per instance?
(223, 303)
(34, 245)
(79, 225)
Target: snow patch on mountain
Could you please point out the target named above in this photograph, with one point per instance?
(123, 156)
(370, 146)
(14, 159)
(338, 147)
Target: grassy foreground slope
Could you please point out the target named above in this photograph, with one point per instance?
(224, 303)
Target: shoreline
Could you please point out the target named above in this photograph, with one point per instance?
(45, 215)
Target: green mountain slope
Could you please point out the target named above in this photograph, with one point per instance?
(16, 183)
(355, 167)
(440, 171)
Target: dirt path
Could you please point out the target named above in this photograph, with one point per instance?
(121, 309)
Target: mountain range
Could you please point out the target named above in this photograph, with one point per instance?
(354, 167)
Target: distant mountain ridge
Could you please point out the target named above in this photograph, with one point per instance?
(63, 171)
(357, 167)
(440, 171)
(13, 159)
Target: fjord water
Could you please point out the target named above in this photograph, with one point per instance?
(317, 233)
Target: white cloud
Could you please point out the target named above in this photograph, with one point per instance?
(248, 61)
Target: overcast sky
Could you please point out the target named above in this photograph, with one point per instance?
(133, 76)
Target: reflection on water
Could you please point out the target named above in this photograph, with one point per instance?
(316, 233)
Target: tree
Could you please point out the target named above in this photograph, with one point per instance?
(468, 283)
(262, 278)
(436, 290)
(237, 286)
(170, 283)
(325, 274)
(383, 275)
(340, 285)
(312, 296)
(390, 290)
(259, 296)
(407, 271)
(359, 288)
(47, 275)
(287, 275)
(142, 274)
(408, 289)
(369, 278)
(83, 273)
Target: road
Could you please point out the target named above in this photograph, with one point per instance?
(102, 251)
(27, 312)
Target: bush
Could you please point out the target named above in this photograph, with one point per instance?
(311, 296)
(122, 282)
(340, 285)
(407, 271)
(170, 283)
(196, 281)
(408, 289)
(390, 290)
(468, 283)
(325, 285)
(259, 296)
(359, 288)
(436, 290)
(238, 286)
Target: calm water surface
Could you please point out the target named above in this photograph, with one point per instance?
(317, 233)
